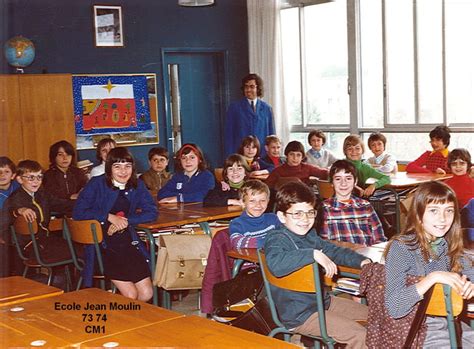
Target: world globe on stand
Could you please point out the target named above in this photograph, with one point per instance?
(19, 52)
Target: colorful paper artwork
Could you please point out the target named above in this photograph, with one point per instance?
(105, 104)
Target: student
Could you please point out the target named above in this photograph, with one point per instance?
(102, 149)
(7, 186)
(317, 155)
(119, 201)
(156, 177)
(273, 149)
(249, 230)
(381, 161)
(192, 181)
(459, 162)
(295, 245)
(294, 167)
(346, 217)
(63, 179)
(435, 161)
(250, 150)
(353, 150)
(431, 247)
(235, 174)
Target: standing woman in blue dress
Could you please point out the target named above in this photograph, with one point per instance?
(119, 201)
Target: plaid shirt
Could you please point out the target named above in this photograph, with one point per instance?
(354, 221)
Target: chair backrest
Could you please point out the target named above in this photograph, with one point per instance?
(218, 174)
(437, 305)
(23, 227)
(83, 231)
(301, 280)
(401, 167)
(325, 189)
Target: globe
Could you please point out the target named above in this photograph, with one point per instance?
(19, 51)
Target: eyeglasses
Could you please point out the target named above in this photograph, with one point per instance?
(300, 214)
(250, 86)
(31, 178)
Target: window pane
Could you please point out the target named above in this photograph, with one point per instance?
(371, 53)
(430, 69)
(291, 62)
(400, 67)
(459, 61)
(326, 63)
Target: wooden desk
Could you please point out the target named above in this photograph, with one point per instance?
(190, 332)
(17, 289)
(49, 316)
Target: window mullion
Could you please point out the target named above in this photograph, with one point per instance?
(443, 61)
(304, 104)
(415, 63)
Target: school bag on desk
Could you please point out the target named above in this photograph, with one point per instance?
(181, 261)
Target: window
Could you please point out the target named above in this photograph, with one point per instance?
(397, 66)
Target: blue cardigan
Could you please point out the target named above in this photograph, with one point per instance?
(242, 121)
(188, 189)
(95, 202)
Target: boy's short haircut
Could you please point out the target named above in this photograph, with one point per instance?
(68, 148)
(462, 154)
(101, 144)
(27, 166)
(441, 132)
(294, 146)
(160, 151)
(293, 193)
(342, 165)
(6, 162)
(317, 133)
(254, 186)
(272, 139)
(352, 140)
(377, 136)
(247, 141)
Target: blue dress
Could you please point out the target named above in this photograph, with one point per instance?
(122, 258)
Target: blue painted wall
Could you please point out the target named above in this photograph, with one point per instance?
(62, 32)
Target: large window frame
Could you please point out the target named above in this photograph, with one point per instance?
(354, 84)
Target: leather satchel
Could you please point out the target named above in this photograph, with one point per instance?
(247, 285)
(181, 261)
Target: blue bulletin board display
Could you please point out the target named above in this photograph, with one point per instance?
(120, 106)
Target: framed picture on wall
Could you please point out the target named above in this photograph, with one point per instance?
(108, 27)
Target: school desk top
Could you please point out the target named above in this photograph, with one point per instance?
(17, 289)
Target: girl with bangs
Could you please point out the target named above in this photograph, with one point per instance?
(192, 181)
(431, 247)
(119, 201)
(226, 193)
(250, 150)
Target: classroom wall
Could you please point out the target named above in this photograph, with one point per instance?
(62, 32)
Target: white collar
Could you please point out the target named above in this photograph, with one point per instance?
(121, 186)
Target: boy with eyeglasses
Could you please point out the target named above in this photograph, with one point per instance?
(295, 245)
(33, 202)
(250, 228)
(346, 217)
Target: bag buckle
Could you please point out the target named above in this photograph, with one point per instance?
(204, 261)
(181, 275)
(181, 261)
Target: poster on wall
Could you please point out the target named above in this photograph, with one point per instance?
(120, 106)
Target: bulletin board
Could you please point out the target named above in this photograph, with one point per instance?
(121, 106)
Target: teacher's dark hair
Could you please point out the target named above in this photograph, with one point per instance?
(258, 81)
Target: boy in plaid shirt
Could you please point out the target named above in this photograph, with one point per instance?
(346, 217)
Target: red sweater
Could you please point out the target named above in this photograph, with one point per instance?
(429, 161)
(303, 171)
(463, 186)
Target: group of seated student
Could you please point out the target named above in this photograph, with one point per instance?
(430, 245)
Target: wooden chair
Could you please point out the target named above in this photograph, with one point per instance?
(306, 279)
(43, 255)
(218, 174)
(440, 300)
(325, 189)
(87, 232)
(401, 167)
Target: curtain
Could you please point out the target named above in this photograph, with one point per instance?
(265, 58)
